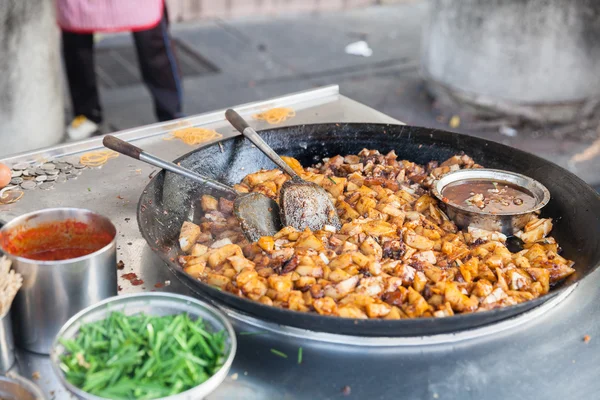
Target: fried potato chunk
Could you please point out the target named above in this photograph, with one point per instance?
(188, 236)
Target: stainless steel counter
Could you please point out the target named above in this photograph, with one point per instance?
(539, 356)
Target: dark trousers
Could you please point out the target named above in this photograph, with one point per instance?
(158, 65)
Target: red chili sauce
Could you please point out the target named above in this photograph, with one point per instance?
(55, 241)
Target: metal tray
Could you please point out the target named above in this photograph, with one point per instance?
(541, 356)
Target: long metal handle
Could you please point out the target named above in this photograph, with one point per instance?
(242, 126)
(132, 151)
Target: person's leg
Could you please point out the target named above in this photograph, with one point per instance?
(160, 69)
(78, 52)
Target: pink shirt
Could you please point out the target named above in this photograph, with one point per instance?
(88, 16)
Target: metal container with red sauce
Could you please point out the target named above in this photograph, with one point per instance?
(55, 241)
(67, 257)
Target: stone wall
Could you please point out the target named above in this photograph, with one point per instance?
(31, 98)
(538, 58)
(190, 10)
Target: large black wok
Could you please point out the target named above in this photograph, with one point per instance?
(169, 200)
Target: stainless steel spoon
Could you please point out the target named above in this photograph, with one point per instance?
(258, 214)
(303, 204)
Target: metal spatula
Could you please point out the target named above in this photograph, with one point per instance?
(258, 214)
(303, 204)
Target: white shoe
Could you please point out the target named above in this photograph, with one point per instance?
(81, 128)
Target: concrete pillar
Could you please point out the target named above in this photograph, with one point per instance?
(31, 97)
(539, 59)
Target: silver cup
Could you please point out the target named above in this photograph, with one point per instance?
(7, 344)
(54, 291)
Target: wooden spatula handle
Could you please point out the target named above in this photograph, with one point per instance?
(121, 146)
(241, 125)
(236, 120)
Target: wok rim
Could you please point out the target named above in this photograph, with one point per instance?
(207, 291)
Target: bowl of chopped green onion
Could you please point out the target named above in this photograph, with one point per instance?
(144, 346)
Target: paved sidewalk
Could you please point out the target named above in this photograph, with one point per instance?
(258, 58)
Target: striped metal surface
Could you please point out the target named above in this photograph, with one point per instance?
(117, 66)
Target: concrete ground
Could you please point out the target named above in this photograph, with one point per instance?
(258, 58)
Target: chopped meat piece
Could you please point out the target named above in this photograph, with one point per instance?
(586, 339)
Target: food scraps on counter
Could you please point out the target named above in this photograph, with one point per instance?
(97, 158)
(275, 115)
(133, 279)
(193, 135)
(10, 194)
(279, 353)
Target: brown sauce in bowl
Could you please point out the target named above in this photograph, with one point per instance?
(489, 196)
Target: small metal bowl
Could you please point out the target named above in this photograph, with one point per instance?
(505, 222)
(152, 304)
(15, 387)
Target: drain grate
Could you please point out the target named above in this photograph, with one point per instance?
(118, 66)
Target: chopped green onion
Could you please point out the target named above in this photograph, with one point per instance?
(299, 355)
(142, 356)
(331, 179)
(279, 353)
